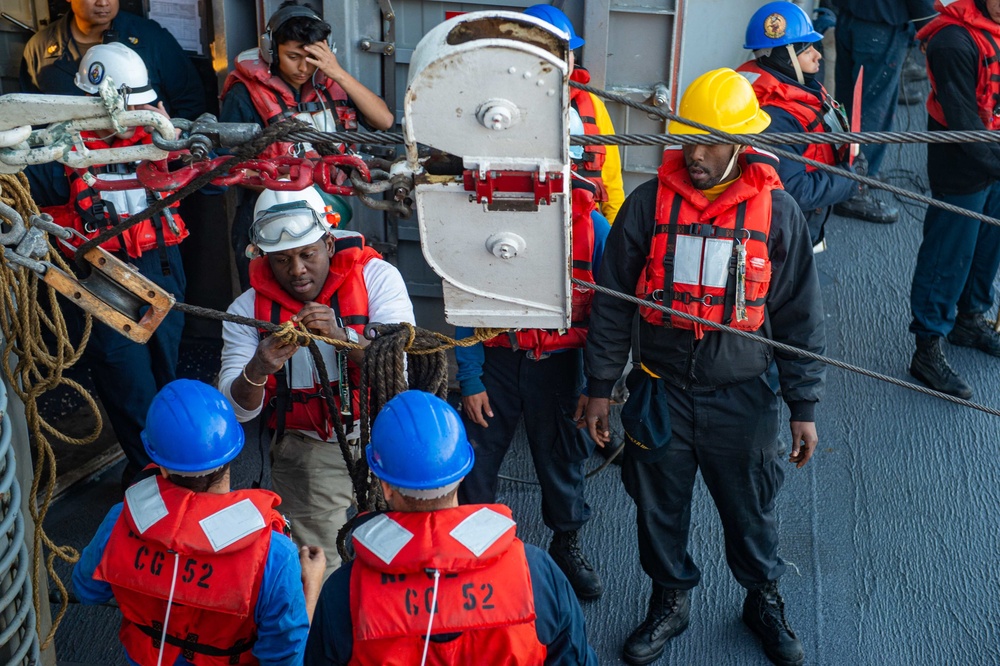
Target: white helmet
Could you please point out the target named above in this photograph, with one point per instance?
(283, 220)
(123, 65)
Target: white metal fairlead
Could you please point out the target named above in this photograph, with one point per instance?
(491, 89)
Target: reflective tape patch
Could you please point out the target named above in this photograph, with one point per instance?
(481, 530)
(384, 537)
(715, 269)
(145, 504)
(226, 527)
(687, 259)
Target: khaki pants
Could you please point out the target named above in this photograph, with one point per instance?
(315, 488)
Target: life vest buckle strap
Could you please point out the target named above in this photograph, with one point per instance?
(191, 646)
(703, 230)
(687, 298)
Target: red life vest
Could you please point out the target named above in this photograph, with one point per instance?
(305, 409)
(218, 544)
(90, 211)
(484, 591)
(693, 262)
(275, 100)
(985, 34)
(540, 342)
(592, 165)
(805, 107)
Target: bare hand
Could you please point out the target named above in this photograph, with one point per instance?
(581, 411)
(272, 353)
(324, 59)
(159, 108)
(804, 441)
(321, 320)
(312, 559)
(598, 420)
(477, 408)
(313, 562)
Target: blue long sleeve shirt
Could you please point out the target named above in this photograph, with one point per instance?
(282, 623)
(471, 359)
(559, 622)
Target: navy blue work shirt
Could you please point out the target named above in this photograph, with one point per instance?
(52, 58)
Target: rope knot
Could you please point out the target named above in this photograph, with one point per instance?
(290, 333)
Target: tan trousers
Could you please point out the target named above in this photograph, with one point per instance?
(315, 488)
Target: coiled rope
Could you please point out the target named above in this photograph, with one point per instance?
(38, 369)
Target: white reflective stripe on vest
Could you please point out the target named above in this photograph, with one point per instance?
(301, 370)
(481, 530)
(384, 537)
(126, 202)
(227, 526)
(145, 504)
(702, 261)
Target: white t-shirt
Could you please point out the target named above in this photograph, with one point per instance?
(388, 303)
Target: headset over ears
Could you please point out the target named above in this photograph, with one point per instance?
(268, 49)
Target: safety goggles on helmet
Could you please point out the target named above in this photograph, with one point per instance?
(287, 225)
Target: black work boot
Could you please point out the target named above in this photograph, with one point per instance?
(864, 206)
(764, 613)
(972, 330)
(931, 367)
(669, 611)
(565, 550)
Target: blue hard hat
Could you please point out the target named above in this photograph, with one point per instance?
(191, 427)
(557, 18)
(777, 24)
(418, 442)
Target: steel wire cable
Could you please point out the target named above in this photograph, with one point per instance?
(788, 138)
(778, 138)
(17, 612)
(753, 140)
(787, 349)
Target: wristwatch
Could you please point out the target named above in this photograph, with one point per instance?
(352, 335)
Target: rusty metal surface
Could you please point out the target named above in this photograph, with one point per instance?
(115, 293)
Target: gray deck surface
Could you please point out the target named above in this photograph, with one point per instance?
(893, 526)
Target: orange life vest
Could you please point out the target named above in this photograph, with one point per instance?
(694, 264)
(305, 409)
(320, 99)
(592, 165)
(808, 109)
(91, 211)
(212, 548)
(985, 34)
(540, 342)
(484, 594)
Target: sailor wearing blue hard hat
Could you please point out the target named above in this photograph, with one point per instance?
(498, 598)
(197, 568)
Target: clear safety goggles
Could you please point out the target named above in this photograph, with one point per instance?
(287, 222)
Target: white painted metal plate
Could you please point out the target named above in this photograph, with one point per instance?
(490, 87)
(453, 82)
(529, 290)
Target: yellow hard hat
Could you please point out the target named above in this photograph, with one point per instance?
(723, 100)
